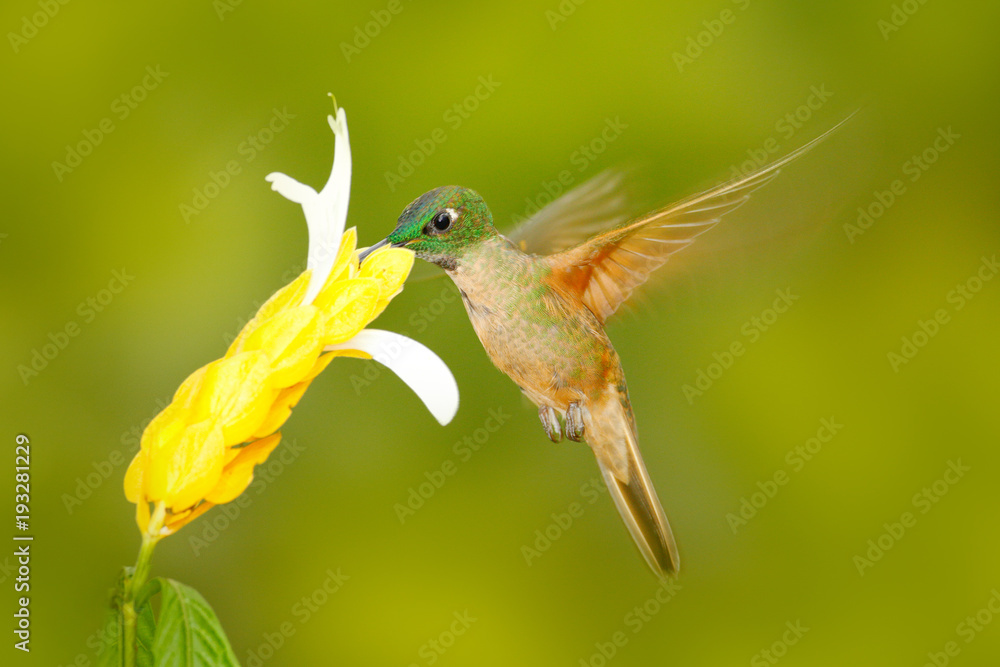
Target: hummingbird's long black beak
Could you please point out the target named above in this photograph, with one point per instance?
(368, 251)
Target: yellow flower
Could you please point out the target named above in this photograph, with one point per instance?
(201, 450)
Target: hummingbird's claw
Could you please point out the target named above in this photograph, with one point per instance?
(550, 422)
(574, 422)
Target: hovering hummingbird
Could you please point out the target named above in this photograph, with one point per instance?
(539, 298)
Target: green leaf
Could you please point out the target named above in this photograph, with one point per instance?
(188, 633)
(145, 629)
(113, 652)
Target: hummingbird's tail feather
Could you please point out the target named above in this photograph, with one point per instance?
(636, 500)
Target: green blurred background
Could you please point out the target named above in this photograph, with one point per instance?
(363, 441)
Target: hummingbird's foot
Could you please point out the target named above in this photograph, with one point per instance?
(550, 422)
(574, 422)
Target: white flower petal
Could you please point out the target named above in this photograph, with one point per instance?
(415, 365)
(326, 210)
(289, 188)
(340, 175)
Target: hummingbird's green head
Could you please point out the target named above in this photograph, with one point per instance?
(441, 225)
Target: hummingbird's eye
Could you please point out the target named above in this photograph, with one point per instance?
(441, 223)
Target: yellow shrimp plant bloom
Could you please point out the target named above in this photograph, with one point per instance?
(200, 451)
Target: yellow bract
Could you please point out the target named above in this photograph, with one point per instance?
(350, 301)
(201, 449)
(390, 268)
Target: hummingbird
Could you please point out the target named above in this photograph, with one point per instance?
(539, 297)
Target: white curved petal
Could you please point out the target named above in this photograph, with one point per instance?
(326, 210)
(289, 188)
(324, 241)
(340, 175)
(422, 370)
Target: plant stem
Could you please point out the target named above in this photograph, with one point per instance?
(136, 581)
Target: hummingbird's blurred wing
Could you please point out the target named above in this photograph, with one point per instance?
(588, 209)
(603, 271)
